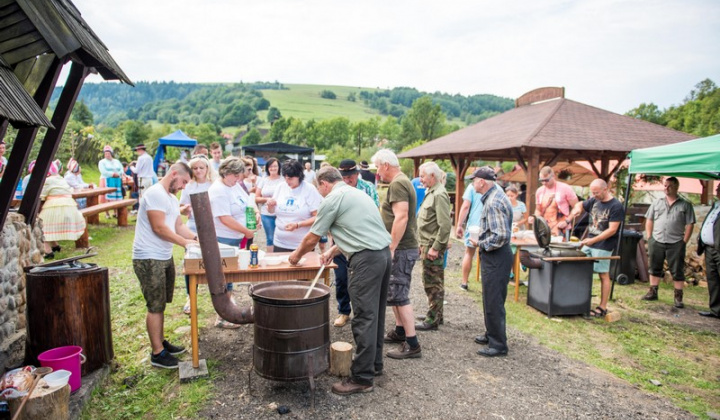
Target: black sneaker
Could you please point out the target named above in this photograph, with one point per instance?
(464, 287)
(164, 360)
(174, 350)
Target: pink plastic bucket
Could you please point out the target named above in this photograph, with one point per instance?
(69, 358)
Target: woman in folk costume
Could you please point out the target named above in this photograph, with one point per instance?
(74, 178)
(61, 218)
(111, 174)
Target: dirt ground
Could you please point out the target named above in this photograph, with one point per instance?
(449, 382)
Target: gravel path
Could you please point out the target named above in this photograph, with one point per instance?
(449, 382)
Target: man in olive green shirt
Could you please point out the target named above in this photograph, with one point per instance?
(398, 214)
(434, 227)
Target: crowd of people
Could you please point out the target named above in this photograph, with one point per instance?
(374, 243)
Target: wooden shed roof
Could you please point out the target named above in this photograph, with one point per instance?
(16, 104)
(553, 125)
(32, 28)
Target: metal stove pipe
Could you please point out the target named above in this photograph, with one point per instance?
(221, 298)
(529, 261)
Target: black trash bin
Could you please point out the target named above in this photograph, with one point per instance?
(624, 270)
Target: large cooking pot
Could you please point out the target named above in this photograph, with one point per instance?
(292, 334)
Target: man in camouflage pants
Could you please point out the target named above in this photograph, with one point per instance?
(434, 227)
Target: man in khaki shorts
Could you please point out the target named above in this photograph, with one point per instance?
(159, 226)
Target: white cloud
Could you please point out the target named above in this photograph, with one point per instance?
(610, 54)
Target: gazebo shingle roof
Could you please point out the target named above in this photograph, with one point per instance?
(556, 124)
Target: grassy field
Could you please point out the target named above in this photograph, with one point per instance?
(651, 341)
(304, 102)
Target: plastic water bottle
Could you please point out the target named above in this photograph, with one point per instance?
(250, 220)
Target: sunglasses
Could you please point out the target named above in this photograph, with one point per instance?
(199, 157)
(544, 179)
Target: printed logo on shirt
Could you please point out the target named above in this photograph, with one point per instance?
(291, 205)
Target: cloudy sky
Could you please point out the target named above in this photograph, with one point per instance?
(613, 54)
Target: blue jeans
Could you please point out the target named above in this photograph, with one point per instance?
(341, 284)
(268, 223)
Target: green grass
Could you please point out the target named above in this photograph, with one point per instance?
(304, 102)
(135, 389)
(641, 346)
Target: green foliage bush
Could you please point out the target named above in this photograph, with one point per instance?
(328, 94)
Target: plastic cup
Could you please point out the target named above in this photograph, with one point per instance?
(244, 259)
(474, 232)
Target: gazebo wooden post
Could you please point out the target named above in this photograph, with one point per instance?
(532, 175)
(61, 115)
(460, 164)
(416, 167)
(707, 192)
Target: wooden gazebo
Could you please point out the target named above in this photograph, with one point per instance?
(545, 128)
(37, 38)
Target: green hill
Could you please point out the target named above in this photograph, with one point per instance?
(233, 105)
(304, 103)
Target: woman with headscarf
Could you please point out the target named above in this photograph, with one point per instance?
(74, 178)
(61, 218)
(111, 172)
(295, 205)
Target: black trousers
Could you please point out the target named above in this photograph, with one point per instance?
(368, 278)
(495, 267)
(712, 267)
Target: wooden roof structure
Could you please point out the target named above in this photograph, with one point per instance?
(37, 38)
(545, 128)
(16, 104)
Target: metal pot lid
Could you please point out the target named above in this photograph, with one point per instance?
(566, 245)
(542, 231)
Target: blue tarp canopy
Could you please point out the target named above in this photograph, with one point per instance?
(176, 139)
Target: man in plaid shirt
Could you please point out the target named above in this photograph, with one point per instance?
(496, 260)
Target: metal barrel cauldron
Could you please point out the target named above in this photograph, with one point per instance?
(292, 334)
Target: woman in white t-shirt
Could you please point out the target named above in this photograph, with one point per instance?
(202, 176)
(265, 190)
(295, 204)
(228, 201)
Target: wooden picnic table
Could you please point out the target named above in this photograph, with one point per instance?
(281, 272)
(93, 198)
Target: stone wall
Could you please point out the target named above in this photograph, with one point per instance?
(20, 245)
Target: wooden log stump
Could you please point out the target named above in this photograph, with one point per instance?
(340, 358)
(45, 403)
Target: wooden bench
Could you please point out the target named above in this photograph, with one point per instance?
(91, 213)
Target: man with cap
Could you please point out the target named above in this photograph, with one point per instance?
(349, 172)
(144, 169)
(496, 261)
(365, 172)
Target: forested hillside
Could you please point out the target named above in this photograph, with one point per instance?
(238, 104)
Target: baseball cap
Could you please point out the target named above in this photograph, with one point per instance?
(485, 172)
(347, 167)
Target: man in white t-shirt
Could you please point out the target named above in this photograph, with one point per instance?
(217, 155)
(159, 226)
(143, 169)
(309, 173)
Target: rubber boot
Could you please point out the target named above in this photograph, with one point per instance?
(678, 298)
(652, 294)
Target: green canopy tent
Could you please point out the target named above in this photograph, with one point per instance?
(699, 158)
